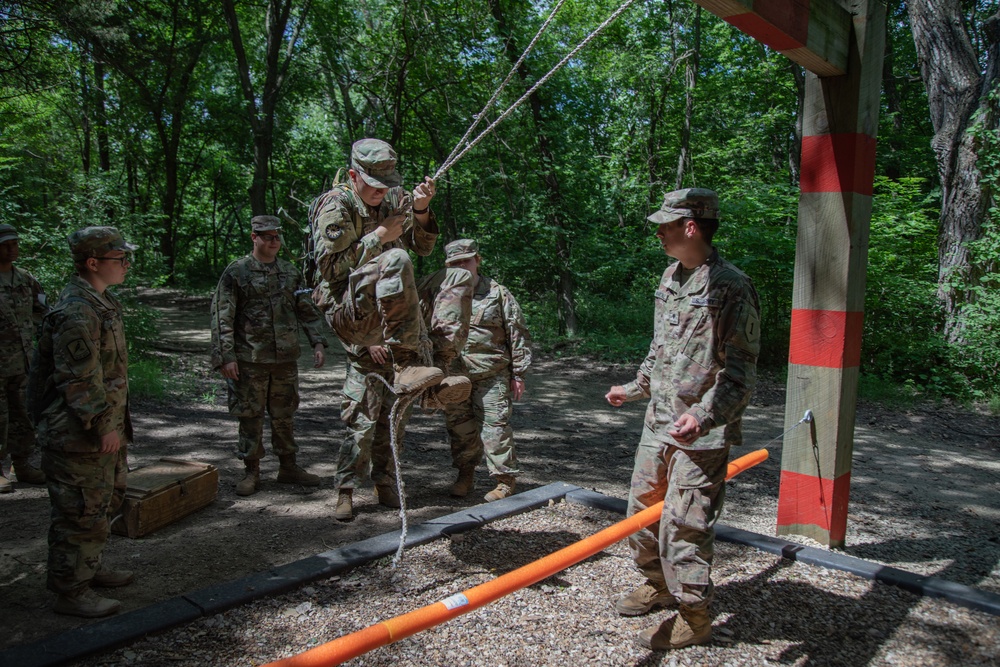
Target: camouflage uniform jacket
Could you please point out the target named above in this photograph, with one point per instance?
(498, 336)
(344, 238)
(82, 345)
(22, 306)
(256, 312)
(703, 357)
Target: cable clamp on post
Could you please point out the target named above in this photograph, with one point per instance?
(808, 417)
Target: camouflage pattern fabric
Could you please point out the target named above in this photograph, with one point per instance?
(274, 387)
(365, 409)
(85, 490)
(256, 312)
(22, 306)
(366, 289)
(676, 552)
(446, 306)
(497, 350)
(82, 343)
(703, 357)
(482, 424)
(701, 362)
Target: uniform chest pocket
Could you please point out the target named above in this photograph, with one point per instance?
(697, 325)
(113, 335)
(490, 316)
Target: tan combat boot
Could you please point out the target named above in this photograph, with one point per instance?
(112, 578)
(5, 485)
(345, 505)
(27, 473)
(251, 479)
(466, 482)
(685, 628)
(505, 487)
(411, 377)
(387, 495)
(86, 604)
(644, 599)
(290, 473)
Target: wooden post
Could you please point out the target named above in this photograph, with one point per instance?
(838, 168)
(840, 43)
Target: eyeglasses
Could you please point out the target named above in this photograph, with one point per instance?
(123, 260)
(269, 238)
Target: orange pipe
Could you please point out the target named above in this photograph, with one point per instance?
(358, 643)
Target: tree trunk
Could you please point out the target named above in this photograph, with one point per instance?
(957, 91)
(278, 57)
(565, 285)
(690, 80)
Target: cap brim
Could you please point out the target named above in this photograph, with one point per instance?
(459, 258)
(9, 237)
(663, 217)
(393, 180)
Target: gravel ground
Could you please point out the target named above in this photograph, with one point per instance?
(767, 611)
(925, 497)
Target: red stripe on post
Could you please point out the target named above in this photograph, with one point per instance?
(838, 163)
(814, 501)
(826, 338)
(765, 32)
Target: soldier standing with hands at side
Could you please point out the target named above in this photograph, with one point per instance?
(22, 306)
(257, 308)
(78, 396)
(699, 374)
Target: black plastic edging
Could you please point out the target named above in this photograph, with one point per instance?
(934, 587)
(123, 629)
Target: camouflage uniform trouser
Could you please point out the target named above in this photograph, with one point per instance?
(382, 307)
(367, 449)
(483, 423)
(677, 552)
(15, 425)
(274, 387)
(85, 490)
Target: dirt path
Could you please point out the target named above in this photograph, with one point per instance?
(925, 494)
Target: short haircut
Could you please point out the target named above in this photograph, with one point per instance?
(707, 227)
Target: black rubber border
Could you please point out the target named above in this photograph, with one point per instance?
(117, 631)
(933, 587)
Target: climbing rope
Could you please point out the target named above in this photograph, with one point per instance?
(398, 409)
(513, 70)
(450, 162)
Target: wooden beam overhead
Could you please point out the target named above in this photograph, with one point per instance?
(814, 33)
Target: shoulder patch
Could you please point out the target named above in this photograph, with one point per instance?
(78, 349)
(333, 232)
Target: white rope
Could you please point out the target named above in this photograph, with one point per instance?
(398, 409)
(513, 70)
(451, 161)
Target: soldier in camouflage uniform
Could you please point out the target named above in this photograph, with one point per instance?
(699, 374)
(496, 358)
(257, 308)
(22, 306)
(78, 395)
(361, 232)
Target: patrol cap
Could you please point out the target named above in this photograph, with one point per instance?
(96, 242)
(8, 233)
(265, 223)
(461, 249)
(375, 161)
(688, 203)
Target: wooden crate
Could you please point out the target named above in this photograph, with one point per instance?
(164, 492)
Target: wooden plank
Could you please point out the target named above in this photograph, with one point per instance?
(812, 33)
